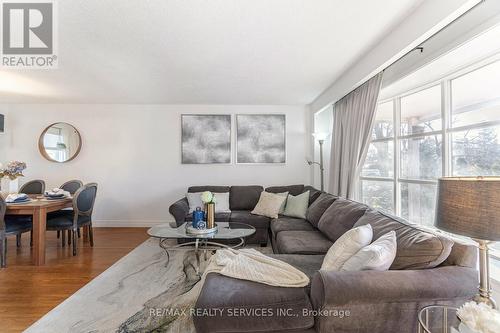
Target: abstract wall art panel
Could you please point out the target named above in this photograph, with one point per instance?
(206, 139)
(261, 138)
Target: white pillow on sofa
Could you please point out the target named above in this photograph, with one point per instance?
(378, 256)
(221, 202)
(346, 246)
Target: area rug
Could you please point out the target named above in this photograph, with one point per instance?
(139, 293)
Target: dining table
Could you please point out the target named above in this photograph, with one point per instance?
(37, 208)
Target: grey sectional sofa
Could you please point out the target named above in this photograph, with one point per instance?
(429, 269)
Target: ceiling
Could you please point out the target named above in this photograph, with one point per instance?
(203, 52)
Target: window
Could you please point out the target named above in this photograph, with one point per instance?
(421, 111)
(450, 127)
(378, 182)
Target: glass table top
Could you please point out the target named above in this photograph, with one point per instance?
(226, 230)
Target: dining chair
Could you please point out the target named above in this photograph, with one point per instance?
(33, 187)
(83, 206)
(70, 186)
(10, 225)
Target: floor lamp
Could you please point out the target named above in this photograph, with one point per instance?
(470, 206)
(321, 137)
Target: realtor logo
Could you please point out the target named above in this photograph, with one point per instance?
(28, 34)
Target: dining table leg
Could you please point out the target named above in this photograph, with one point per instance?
(39, 227)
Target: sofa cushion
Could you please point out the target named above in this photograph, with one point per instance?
(285, 223)
(302, 242)
(318, 207)
(340, 217)
(313, 193)
(216, 189)
(291, 189)
(416, 248)
(219, 217)
(244, 197)
(247, 306)
(244, 216)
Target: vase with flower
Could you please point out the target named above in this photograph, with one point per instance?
(208, 198)
(10, 176)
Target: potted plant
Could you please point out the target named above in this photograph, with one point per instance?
(10, 176)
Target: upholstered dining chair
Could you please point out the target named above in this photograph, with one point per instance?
(70, 186)
(33, 187)
(10, 225)
(83, 206)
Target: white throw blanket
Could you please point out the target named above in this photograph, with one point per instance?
(244, 264)
(250, 264)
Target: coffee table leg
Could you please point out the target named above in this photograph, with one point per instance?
(165, 248)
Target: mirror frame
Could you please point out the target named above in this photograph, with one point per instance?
(41, 147)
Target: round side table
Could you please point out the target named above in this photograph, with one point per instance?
(438, 319)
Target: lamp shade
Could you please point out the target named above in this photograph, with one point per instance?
(321, 136)
(469, 206)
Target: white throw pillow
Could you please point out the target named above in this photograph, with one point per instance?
(346, 246)
(269, 205)
(378, 256)
(222, 202)
(194, 201)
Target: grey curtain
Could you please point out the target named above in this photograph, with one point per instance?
(353, 120)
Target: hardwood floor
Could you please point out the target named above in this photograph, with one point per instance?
(28, 292)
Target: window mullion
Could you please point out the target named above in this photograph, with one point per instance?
(397, 154)
(446, 116)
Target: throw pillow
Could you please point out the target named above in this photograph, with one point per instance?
(378, 256)
(347, 246)
(282, 208)
(269, 205)
(194, 201)
(222, 202)
(296, 206)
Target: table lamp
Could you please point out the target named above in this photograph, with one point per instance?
(470, 206)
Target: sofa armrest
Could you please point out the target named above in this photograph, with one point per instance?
(380, 302)
(179, 210)
(342, 288)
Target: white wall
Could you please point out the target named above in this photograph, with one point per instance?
(425, 21)
(133, 153)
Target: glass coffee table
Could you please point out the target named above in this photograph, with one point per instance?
(438, 319)
(226, 231)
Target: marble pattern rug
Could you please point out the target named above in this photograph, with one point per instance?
(139, 293)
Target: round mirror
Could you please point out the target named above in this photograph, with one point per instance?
(60, 142)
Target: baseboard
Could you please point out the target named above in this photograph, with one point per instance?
(125, 223)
